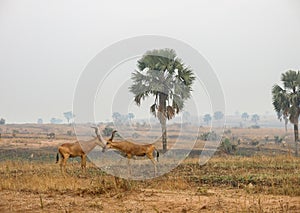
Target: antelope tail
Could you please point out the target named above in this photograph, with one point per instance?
(57, 158)
(157, 154)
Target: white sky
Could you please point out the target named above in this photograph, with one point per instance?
(45, 45)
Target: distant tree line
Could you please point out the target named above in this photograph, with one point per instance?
(218, 115)
(121, 118)
(68, 115)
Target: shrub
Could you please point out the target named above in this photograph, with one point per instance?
(255, 126)
(227, 131)
(208, 136)
(15, 132)
(254, 142)
(227, 146)
(278, 139)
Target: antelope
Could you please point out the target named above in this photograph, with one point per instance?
(130, 150)
(71, 150)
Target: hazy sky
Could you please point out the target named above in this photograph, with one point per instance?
(45, 45)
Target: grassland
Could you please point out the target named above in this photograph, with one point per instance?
(264, 177)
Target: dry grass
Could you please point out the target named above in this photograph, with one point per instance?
(259, 183)
(253, 184)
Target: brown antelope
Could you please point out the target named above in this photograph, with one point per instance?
(77, 149)
(130, 150)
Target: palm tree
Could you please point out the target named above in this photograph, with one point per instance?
(69, 115)
(286, 100)
(245, 116)
(255, 118)
(164, 76)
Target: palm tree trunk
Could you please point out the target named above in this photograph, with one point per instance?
(296, 138)
(163, 119)
(164, 135)
(286, 120)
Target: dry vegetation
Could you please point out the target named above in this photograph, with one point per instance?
(266, 180)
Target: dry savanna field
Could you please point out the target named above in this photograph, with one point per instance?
(258, 173)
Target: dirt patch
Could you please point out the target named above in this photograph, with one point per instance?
(147, 200)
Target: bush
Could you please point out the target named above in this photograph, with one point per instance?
(208, 136)
(15, 132)
(254, 142)
(227, 131)
(278, 139)
(255, 126)
(227, 146)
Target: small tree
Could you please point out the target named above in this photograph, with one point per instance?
(40, 121)
(227, 146)
(245, 116)
(255, 118)
(207, 118)
(2, 121)
(130, 116)
(117, 117)
(69, 115)
(218, 115)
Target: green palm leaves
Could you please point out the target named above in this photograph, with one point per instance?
(164, 76)
(286, 100)
(161, 74)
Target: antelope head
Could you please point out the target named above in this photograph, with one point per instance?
(109, 142)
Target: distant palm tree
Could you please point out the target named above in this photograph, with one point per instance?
(286, 100)
(255, 118)
(245, 116)
(69, 115)
(163, 75)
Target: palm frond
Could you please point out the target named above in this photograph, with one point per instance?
(170, 113)
(153, 110)
(160, 71)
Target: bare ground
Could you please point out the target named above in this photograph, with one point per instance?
(148, 200)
